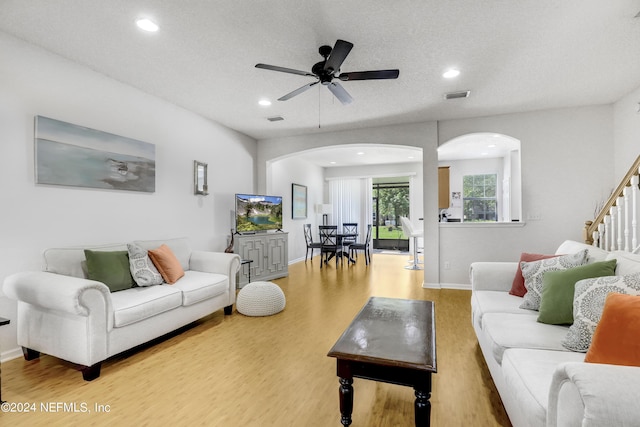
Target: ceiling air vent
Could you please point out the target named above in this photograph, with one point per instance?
(275, 118)
(456, 95)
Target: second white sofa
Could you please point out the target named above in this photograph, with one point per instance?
(540, 382)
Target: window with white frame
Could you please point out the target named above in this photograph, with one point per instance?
(479, 194)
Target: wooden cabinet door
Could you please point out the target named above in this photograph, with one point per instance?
(443, 187)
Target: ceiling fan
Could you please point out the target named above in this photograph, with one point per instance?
(328, 69)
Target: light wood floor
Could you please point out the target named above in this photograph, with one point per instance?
(270, 371)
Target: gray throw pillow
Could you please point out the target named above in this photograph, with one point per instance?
(533, 273)
(142, 269)
(588, 303)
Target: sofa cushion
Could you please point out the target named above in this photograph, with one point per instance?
(508, 330)
(139, 303)
(628, 263)
(616, 340)
(166, 263)
(588, 303)
(556, 304)
(483, 302)
(197, 286)
(517, 287)
(142, 269)
(71, 261)
(533, 273)
(179, 246)
(527, 376)
(110, 268)
(571, 247)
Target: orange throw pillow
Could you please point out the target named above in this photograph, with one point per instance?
(167, 264)
(616, 340)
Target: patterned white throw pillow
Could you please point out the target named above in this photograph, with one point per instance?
(142, 269)
(534, 271)
(588, 303)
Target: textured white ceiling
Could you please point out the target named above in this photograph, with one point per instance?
(514, 55)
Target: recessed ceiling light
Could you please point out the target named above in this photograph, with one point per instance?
(147, 25)
(264, 102)
(491, 145)
(410, 157)
(332, 163)
(451, 73)
(360, 153)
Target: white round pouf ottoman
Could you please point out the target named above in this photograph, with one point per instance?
(260, 299)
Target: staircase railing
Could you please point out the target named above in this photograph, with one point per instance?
(616, 226)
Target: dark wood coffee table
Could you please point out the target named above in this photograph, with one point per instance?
(393, 341)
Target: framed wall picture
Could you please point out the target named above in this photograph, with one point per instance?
(200, 185)
(77, 156)
(298, 201)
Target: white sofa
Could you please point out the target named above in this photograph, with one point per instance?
(66, 315)
(540, 382)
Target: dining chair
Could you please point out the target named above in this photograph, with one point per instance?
(329, 241)
(364, 246)
(311, 245)
(350, 228)
(410, 231)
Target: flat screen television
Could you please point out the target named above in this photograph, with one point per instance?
(255, 213)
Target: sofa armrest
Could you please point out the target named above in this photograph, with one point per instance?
(594, 395)
(56, 291)
(216, 262)
(492, 276)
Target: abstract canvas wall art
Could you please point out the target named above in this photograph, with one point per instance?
(71, 155)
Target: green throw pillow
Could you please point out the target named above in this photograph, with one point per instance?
(110, 268)
(556, 305)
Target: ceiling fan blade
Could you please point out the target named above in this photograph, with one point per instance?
(297, 91)
(338, 55)
(369, 75)
(340, 93)
(284, 70)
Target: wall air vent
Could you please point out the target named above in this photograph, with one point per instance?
(275, 118)
(456, 95)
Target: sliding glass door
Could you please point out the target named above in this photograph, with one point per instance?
(390, 202)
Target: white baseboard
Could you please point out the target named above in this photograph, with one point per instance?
(5, 356)
(459, 286)
(431, 285)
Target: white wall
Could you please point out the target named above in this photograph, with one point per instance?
(295, 171)
(34, 217)
(626, 124)
(567, 165)
(423, 135)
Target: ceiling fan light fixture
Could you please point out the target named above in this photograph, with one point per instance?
(264, 102)
(147, 24)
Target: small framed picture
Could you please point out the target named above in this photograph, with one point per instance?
(298, 201)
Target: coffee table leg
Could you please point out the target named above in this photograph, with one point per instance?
(346, 400)
(422, 408)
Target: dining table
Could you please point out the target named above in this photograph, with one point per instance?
(345, 252)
